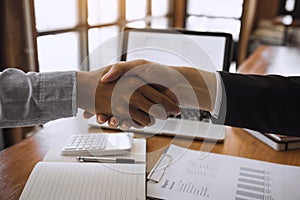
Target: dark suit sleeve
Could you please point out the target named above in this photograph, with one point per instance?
(264, 103)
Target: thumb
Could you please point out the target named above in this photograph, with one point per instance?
(113, 74)
(119, 69)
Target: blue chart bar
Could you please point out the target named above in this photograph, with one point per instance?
(252, 184)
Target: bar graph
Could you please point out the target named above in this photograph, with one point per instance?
(191, 188)
(194, 183)
(218, 177)
(253, 184)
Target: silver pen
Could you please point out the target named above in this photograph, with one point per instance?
(108, 160)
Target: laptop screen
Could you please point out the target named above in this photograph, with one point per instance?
(173, 47)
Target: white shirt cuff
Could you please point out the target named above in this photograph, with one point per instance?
(217, 106)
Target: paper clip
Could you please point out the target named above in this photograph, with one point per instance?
(160, 167)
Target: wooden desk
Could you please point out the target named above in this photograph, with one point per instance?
(17, 162)
(281, 60)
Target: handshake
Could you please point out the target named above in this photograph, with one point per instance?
(135, 93)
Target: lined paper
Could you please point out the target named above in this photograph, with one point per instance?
(71, 181)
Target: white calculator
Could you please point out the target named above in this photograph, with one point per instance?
(98, 144)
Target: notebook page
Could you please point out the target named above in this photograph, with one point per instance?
(71, 181)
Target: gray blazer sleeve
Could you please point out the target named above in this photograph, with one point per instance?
(35, 98)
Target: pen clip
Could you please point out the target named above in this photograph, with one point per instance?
(160, 167)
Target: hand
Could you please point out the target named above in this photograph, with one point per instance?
(195, 88)
(127, 98)
(152, 73)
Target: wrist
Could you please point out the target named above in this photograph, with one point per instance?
(203, 84)
(86, 90)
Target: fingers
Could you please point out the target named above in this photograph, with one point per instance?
(137, 117)
(160, 98)
(113, 122)
(142, 118)
(139, 101)
(159, 103)
(101, 119)
(126, 124)
(87, 115)
(167, 91)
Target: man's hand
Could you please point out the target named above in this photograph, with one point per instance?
(158, 76)
(189, 86)
(127, 98)
(130, 97)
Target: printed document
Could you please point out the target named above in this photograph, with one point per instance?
(202, 175)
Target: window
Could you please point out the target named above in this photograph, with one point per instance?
(215, 15)
(69, 30)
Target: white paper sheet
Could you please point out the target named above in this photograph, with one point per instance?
(200, 175)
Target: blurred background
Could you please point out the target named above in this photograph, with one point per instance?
(52, 35)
